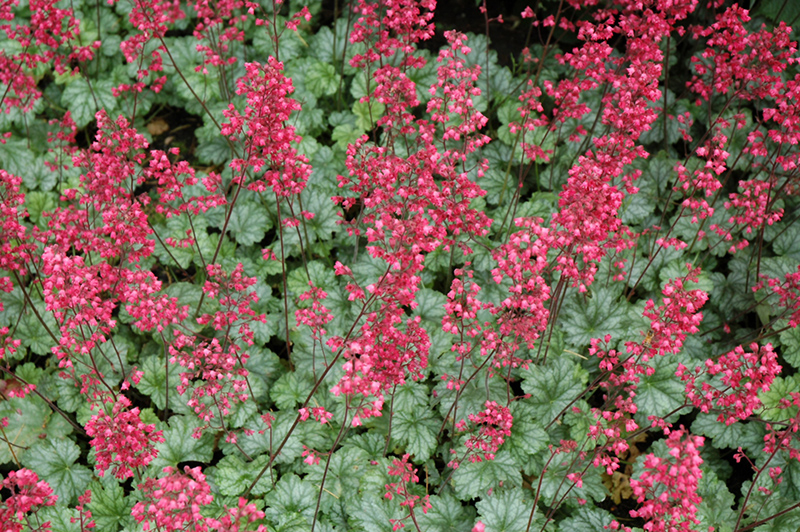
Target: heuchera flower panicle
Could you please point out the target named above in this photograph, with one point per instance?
(679, 474)
(122, 441)
(27, 493)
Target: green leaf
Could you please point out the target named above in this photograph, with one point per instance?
(780, 389)
(787, 244)
(505, 511)
(714, 462)
(179, 445)
(790, 338)
(17, 158)
(84, 101)
(33, 334)
(583, 319)
(212, 149)
(292, 45)
(206, 86)
(190, 294)
(474, 479)
(729, 294)
(324, 222)
(648, 278)
(290, 390)
(587, 519)
(447, 515)
(347, 467)
(661, 392)
(27, 420)
(637, 207)
(779, 497)
(60, 518)
(39, 176)
(430, 306)
(722, 435)
(498, 184)
(291, 496)
(509, 112)
(69, 394)
(13, 305)
(329, 49)
(368, 114)
(373, 514)
(323, 45)
(110, 508)
(259, 443)
(154, 381)
(321, 275)
(417, 431)
(677, 270)
(527, 438)
(264, 367)
(38, 202)
(53, 460)
(715, 509)
(345, 134)
(552, 387)
(233, 476)
(361, 85)
(249, 223)
(772, 9)
(655, 133)
(321, 78)
(29, 373)
(554, 485)
(472, 399)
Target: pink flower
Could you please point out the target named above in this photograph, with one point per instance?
(172, 503)
(121, 440)
(407, 474)
(27, 493)
(743, 375)
(264, 129)
(493, 426)
(667, 489)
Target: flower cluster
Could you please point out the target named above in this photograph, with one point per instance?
(411, 205)
(317, 316)
(268, 150)
(523, 260)
(152, 20)
(493, 426)
(173, 502)
(122, 441)
(28, 493)
(407, 474)
(678, 475)
(391, 26)
(678, 316)
(38, 42)
(14, 237)
(788, 292)
(742, 376)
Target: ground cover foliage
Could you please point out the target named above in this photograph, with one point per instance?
(298, 266)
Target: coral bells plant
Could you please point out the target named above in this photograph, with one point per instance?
(327, 266)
